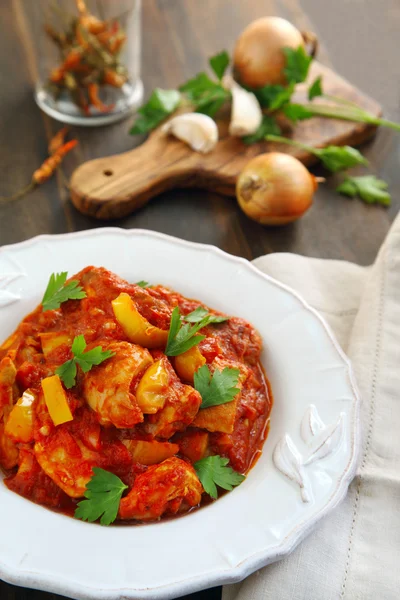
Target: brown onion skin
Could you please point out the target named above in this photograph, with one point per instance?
(275, 189)
(258, 57)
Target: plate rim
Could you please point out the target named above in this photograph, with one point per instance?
(54, 583)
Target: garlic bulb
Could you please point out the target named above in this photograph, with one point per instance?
(199, 131)
(246, 114)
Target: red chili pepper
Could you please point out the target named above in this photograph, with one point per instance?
(93, 90)
(50, 164)
(58, 140)
(110, 77)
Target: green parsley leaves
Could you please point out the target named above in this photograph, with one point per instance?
(315, 88)
(268, 126)
(143, 284)
(297, 112)
(86, 360)
(368, 187)
(201, 314)
(218, 389)
(183, 336)
(219, 63)
(297, 64)
(206, 95)
(103, 495)
(273, 97)
(213, 471)
(58, 291)
(160, 105)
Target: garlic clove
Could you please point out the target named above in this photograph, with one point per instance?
(199, 131)
(246, 114)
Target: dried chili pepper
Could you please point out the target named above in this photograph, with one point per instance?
(47, 169)
(89, 49)
(93, 90)
(57, 140)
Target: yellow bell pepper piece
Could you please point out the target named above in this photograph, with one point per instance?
(53, 339)
(135, 326)
(19, 425)
(150, 394)
(56, 400)
(150, 453)
(187, 363)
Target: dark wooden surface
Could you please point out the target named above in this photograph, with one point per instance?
(360, 39)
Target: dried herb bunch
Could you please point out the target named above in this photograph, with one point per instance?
(90, 51)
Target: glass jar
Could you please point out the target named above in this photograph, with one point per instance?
(87, 58)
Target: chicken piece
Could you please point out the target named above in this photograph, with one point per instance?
(193, 444)
(68, 461)
(180, 407)
(222, 417)
(106, 388)
(31, 482)
(8, 373)
(162, 489)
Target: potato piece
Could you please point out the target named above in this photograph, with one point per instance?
(217, 418)
(106, 388)
(135, 326)
(151, 391)
(161, 490)
(56, 400)
(193, 444)
(150, 453)
(53, 340)
(187, 363)
(19, 425)
(222, 417)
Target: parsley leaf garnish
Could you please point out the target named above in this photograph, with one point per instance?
(206, 95)
(268, 126)
(315, 88)
(201, 313)
(103, 493)
(297, 64)
(213, 471)
(160, 105)
(368, 187)
(219, 63)
(142, 284)
(274, 96)
(182, 337)
(58, 291)
(218, 389)
(86, 360)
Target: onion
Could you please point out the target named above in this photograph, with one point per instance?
(275, 189)
(258, 58)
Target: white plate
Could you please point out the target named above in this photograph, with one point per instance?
(260, 521)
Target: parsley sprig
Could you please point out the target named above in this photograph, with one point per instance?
(334, 158)
(160, 105)
(217, 389)
(368, 187)
(103, 494)
(143, 284)
(183, 336)
(58, 291)
(213, 471)
(86, 360)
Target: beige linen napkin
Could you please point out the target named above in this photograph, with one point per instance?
(354, 553)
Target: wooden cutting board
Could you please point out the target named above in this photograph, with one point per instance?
(113, 187)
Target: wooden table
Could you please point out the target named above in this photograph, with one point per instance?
(359, 39)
